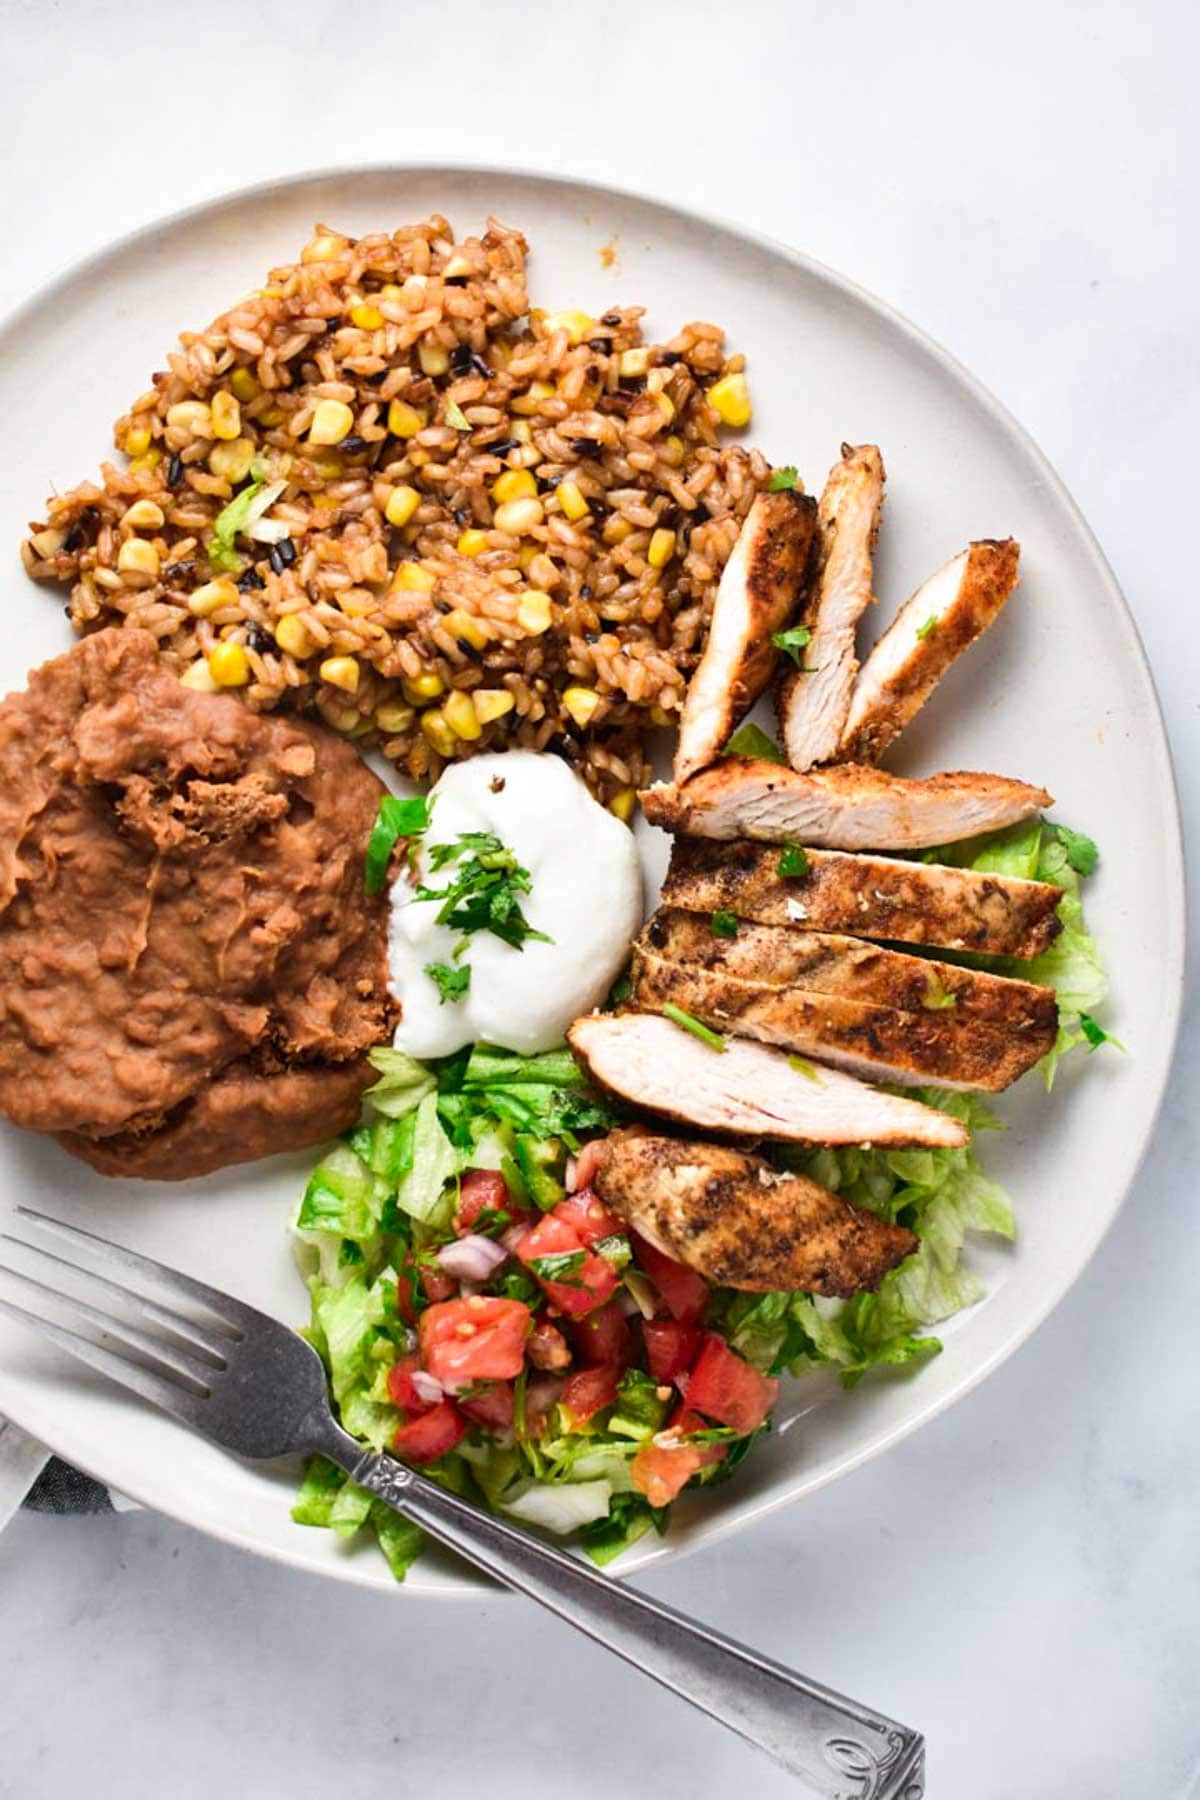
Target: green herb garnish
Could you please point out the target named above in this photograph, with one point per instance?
(1082, 852)
(792, 643)
(723, 923)
(563, 1267)
(450, 983)
(937, 998)
(614, 1249)
(396, 818)
(483, 894)
(783, 480)
(749, 741)
(677, 1016)
(490, 1221)
(456, 416)
(803, 1067)
(230, 520)
(794, 860)
(930, 624)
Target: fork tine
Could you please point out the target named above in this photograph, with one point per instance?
(185, 1369)
(171, 1399)
(234, 1315)
(188, 1330)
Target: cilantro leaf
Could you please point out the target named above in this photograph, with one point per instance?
(723, 924)
(783, 480)
(794, 860)
(396, 818)
(930, 625)
(1082, 852)
(450, 983)
(563, 1267)
(749, 741)
(792, 642)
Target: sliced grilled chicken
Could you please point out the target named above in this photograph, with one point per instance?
(760, 587)
(879, 1042)
(743, 1224)
(931, 631)
(747, 1090)
(871, 896)
(822, 962)
(814, 699)
(849, 807)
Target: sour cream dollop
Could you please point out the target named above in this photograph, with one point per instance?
(586, 895)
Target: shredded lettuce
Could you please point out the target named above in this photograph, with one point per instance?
(421, 1189)
(403, 1082)
(240, 517)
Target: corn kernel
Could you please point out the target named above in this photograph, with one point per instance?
(518, 516)
(666, 406)
(633, 363)
(137, 440)
(534, 613)
(356, 603)
(404, 421)
(331, 422)
(662, 548)
(273, 416)
(150, 459)
(731, 398)
(226, 416)
(572, 502)
(513, 484)
(323, 248)
(581, 703)
(243, 385)
(199, 677)
(616, 530)
(423, 687)
(527, 555)
(291, 634)
(472, 542)
(211, 597)
(137, 557)
(522, 431)
(191, 415)
(491, 703)
(394, 719)
(390, 291)
(438, 732)
(412, 578)
(672, 451)
(229, 665)
(467, 628)
(402, 503)
(341, 672)
(144, 515)
(347, 719)
(623, 803)
(531, 400)
(577, 325)
(434, 360)
(459, 713)
(366, 317)
(232, 461)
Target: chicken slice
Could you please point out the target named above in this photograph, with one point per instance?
(747, 1090)
(814, 699)
(878, 1042)
(821, 962)
(931, 631)
(871, 896)
(741, 1223)
(760, 586)
(849, 807)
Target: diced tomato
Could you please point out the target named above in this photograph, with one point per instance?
(659, 1470)
(603, 1337)
(587, 1163)
(437, 1284)
(478, 1339)
(590, 1389)
(546, 1347)
(589, 1219)
(492, 1406)
(401, 1389)
(588, 1285)
(671, 1347)
(485, 1189)
(430, 1436)
(405, 1304)
(684, 1293)
(725, 1387)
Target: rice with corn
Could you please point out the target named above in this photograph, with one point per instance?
(384, 486)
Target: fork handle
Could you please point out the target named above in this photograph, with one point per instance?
(841, 1749)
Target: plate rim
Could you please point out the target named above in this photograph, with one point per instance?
(722, 1523)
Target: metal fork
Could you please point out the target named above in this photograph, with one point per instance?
(255, 1387)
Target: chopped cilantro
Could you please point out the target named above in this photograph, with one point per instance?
(451, 984)
(1082, 852)
(614, 1249)
(723, 923)
(749, 741)
(783, 480)
(563, 1267)
(803, 1067)
(792, 643)
(794, 860)
(685, 1021)
(929, 626)
(396, 818)
(483, 893)
(1096, 1034)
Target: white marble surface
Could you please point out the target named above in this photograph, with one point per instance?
(1022, 1579)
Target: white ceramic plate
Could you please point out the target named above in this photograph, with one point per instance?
(1058, 693)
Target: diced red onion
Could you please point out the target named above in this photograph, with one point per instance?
(626, 1304)
(569, 1175)
(427, 1386)
(513, 1236)
(472, 1258)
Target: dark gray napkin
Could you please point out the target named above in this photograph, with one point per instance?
(61, 1489)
